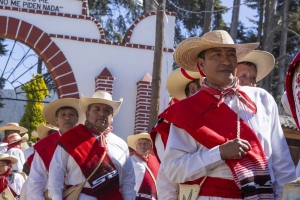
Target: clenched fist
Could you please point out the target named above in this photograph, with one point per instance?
(234, 149)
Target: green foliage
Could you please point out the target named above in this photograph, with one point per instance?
(36, 91)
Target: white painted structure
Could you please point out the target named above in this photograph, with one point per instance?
(81, 40)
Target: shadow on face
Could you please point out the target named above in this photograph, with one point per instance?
(246, 73)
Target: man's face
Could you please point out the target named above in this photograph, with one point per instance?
(9, 132)
(66, 119)
(219, 65)
(100, 115)
(246, 75)
(143, 146)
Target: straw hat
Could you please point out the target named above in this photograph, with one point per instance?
(15, 137)
(178, 80)
(13, 126)
(42, 130)
(186, 53)
(131, 140)
(25, 138)
(34, 134)
(12, 158)
(100, 97)
(263, 60)
(50, 109)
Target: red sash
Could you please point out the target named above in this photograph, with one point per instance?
(148, 187)
(206, 125)
(85, 150)
(46, 147)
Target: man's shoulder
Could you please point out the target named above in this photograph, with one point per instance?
(256, 92)
(114, 139)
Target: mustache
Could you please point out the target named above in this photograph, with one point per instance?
(68, 122)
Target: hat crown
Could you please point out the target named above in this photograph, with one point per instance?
(218, 36)
(12, 124)
(14, 138)
(102, 95)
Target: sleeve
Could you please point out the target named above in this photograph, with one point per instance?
(166, 190)
(17, 183)
(127, 180)
(57, 171)
(37, 179)
(282, 164)
(139, 171)
(21, 160)
(159, 146)
(181, 154)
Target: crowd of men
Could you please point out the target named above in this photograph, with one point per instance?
(220, 138)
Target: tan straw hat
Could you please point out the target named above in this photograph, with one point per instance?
(12, 158)
(13, 126)
(178, 80)
(34, 134)
(131, 140)
(50, 109)
(42, 130)
(100, 97)
(15, 137)
(186, 53)
(263, 60)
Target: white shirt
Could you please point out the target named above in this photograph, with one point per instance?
(3, 147)
(62, 163)
(182, 151)
(17, 183)
(28, 152)
(139, 171)
(21, 160)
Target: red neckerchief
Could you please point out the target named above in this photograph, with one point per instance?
(233, 89)
(13, 145)
(3, 181)
(173, 101)
(102, 135)
(141, 157)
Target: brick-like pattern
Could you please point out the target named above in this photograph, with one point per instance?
(143, 102)
(101, 31)
(104, 81)
(55, 61)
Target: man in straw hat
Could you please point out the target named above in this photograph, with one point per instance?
(145, 166)
(180, 84)
(92, 149)
(9, 129)
(65, 114)
(254, 67)
(14, 148)
(232, 142)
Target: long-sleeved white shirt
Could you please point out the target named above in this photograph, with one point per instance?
(139, 171)
(17, 183)
(28, 152)
(21, 160)
(64, 164)
(185, 159)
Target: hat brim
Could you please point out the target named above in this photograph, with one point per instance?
(177, 82)
(18, 128)
(34, 134)
(186, 53)
(43, 130)
(85, 101)
(12, 158)
(50, 109)
(263, 60)
(131, 140)
(25, 138)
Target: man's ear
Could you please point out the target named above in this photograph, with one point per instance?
(200, 63)
(56, 121)
(192, 88)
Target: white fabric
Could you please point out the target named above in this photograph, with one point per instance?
(17, 183)
(28, 152)
(62, 164)
(21, 160)
(37, 179)
(286, 105)
(182, 151)
(23, 195)
(139, 171)
(159, 145)
(3, 148)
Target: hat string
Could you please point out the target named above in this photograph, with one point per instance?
(185, 74)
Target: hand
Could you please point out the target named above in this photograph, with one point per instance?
(234, 149)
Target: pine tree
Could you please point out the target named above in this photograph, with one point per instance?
(36, 91)
(3, 52)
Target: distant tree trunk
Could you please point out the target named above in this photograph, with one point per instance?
(269, 26)
(282, 62)
(149, 5)
(157, 64)
(235, 19)
(260, 22)
(209, 6)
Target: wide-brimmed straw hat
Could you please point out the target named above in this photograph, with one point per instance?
(12, 158)
(13, 138)
(186, 53)
(50, 109)
(42, 131)
(263, 60)
(131, 140)
(13, 126)
(100, 97)
(178, 80)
